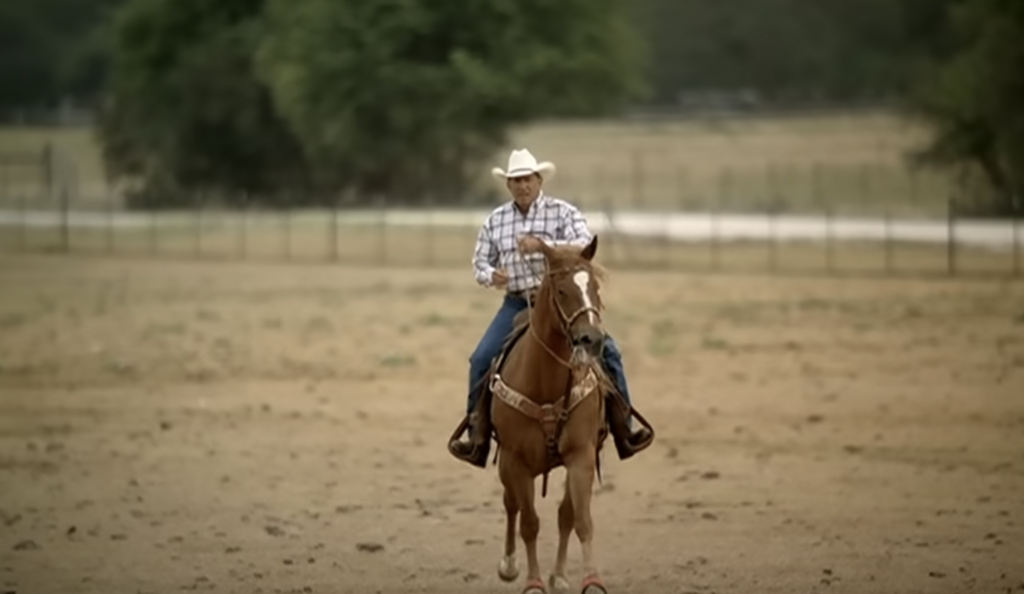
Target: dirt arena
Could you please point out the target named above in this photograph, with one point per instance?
(251, 428)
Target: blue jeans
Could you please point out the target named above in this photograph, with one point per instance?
(495, 335)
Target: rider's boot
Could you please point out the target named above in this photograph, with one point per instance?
(478, 421)
(627, 441)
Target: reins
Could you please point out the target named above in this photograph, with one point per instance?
(566, 320)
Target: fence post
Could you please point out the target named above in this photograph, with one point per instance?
(670, 245)
(637, 177)
(429, 252)
(241, 247)
(829, 237)
(822, 200)
(153, 231)
(724, 188)
(614, 248)
(951, 237)
(286, 228)
(47, 158)
(111, 207)
(1016, 246)
(888, 242)
(637, 195)
(4, 188)
(382, 210)
(197, 235)
(772, 207)
(65, 233)
(334, 227)
(22, 224)
(915, 187)
(865, 184)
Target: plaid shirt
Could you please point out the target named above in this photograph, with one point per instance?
(553, 220)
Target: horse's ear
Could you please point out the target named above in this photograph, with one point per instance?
(591, 249)
(547, 250)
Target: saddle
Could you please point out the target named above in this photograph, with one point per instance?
(550, 423)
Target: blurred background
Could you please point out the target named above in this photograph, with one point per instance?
(809, 135)
(185, 407)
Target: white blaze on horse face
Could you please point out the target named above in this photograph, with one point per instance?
(582, 280)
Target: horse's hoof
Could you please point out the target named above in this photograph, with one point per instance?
(534, 587)
(508, 569)
(593, 584)
(558, 584)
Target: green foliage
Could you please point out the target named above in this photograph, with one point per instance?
(973, 100)
(789, 50)
(391, 97)
(186, 114)
(26, 50)
(43, 44)
(403, 97)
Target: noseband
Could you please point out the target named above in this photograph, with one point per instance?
(566, 320)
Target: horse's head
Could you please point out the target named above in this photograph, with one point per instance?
(573, 283)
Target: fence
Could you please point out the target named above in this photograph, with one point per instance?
(651, 211)
(665, 240)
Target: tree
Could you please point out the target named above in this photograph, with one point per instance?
(972, 101)
(186, 114)
(400, 97)
(788, 50)
(49, 49)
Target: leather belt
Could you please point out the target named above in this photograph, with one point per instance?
(528, 295)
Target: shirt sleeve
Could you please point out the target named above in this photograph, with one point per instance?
(485, 256)
(576, 231)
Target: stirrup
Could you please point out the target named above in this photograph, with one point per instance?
(459, 430)
(627, 449)
(476, 454)
(468, 451)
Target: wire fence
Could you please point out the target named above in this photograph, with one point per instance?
(903, 227)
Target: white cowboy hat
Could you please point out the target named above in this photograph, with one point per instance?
(522, 162)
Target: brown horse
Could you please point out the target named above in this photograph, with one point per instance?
(548, 411)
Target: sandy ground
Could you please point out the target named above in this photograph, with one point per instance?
(253, 428)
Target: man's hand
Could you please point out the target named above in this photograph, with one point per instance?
(499, 278)
(529, 244)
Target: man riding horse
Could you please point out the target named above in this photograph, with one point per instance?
(507, 256)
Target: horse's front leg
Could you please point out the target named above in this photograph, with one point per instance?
(558, 582)
(581, 471)
(508, 569)
(521, 484)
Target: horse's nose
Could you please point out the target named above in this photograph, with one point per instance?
(589, 338)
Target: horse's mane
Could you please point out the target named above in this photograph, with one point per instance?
(567, 255)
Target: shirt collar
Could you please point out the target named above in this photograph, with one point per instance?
(541, 200)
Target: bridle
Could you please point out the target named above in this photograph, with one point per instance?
(565, 320)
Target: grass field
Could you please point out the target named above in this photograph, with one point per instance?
(236, 427)
(850, 164)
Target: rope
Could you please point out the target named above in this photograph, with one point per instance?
(529, 306)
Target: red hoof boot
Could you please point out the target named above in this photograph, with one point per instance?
(593, 584)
